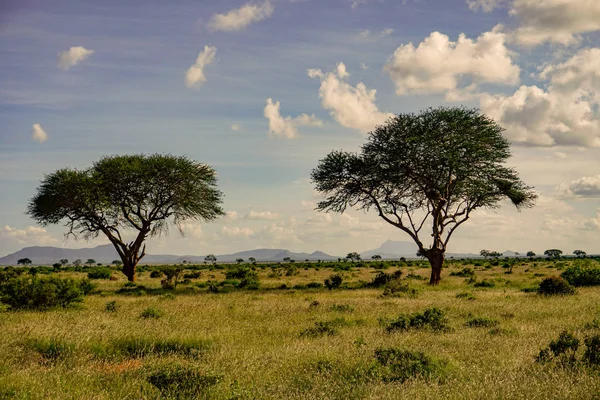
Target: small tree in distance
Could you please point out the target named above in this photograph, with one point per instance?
(24, 261)
(143, 194)
(354, 256)
(432, 169)
(553, 253)
(580, 253)
(376, 257)
(531, 254)
(211, 258)
(64, 261)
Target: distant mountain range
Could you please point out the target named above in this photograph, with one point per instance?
(106, 253)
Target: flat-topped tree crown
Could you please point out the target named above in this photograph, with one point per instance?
(438, 166)
(139, 193)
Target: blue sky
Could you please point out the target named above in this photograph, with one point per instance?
(110, 78)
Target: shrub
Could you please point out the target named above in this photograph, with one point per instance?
(466, 296)
(334, 281)
(415, 277)
(485, 284)
(151, 312)
(193, 275)
(99, 273)
(582, 275)
(465, 272)
(396, 288)
(143, 347)
(341, 308)
(250, 281)
(432, 318)
(111, 306)
(482, 322)
(177, 380)
(171, 277)
(382, 278)
(400, 365)
(320, 329)
(592, 353)
(40, 293)
(51, 350)
(564, 349)
(156, 274)
(238, 273)
(86, 286)
(314, 285)
(555, 285)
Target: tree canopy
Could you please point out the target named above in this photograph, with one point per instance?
(439, 166)
(143, 193)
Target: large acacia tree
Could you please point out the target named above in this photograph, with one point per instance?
(120, 195)
(425, 174)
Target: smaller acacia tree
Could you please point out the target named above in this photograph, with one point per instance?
(354, 256)
(579, 253)
(24, 261)
(120, 195)
(433, 169)
(531, 254)
(553, 253)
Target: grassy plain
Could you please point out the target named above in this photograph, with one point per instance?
(249, 344)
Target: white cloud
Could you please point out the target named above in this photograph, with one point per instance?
(240, 18)
(352, 107)
(286, 126)
(566, 113)
(232, 215)
(30, 236)
(261, 215)
(367, 35)
(557, 21)
(485, 5)
(364, 66)
(195, 74)
(341, 71)
(438, 65)
(236, 232)
(236, 127)
(38, 133)
(73, 56)
(192, 229)
(587, 186)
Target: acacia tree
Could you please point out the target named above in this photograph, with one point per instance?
(121, 195)
(437, 166)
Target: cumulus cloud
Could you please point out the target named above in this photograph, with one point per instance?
(286, 126)
(261, 215)
(236, 127)
(195, 74)
(352, 107)
(587, 186)
(232, 215)
(192, 229)
(73, 56)
(38, 133)
(566, 113)
(438, 65)
(30, 236)
(236, 232)
(239, 18)
(485, 5)
(557, 21)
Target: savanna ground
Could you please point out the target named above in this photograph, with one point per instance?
(281, 342)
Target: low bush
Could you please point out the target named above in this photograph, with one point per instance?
(193, 275)
(466, 296)
(151, 312)
(334, 281)
(415, 277)
(555, 285)
(432, 318)
(320, 329)
(592, 353)
(582, 275)
(111, 306)
(563, 349)
(41, 292)
(99, 273)
(482, 322)
(401, 365)
(156, 274)
(138, 347)
(485, 284)
(465, 272)
(381, 279)
(397, 288)
(182, 381)
(171, 277)
(250, 281)
(314, 285)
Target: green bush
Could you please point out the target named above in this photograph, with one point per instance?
(465, 272)
(111, 306)
(334, 281)
(563, 349)
(485, 284)
(138, 347)
(151, 312)
(401, 365)
(193, 275)
(320, 329)
(396, 288)
(555, 285)
(466, 296)
(592, 353)
(99, 273)
(156, 274)
(250, 281)
(314, 285)
(432, 318)
(482, 322)
(381, 279)
(41, 292)
(582, 275)
(177, 381)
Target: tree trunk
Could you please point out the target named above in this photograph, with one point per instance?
(129, 271)
(436, 259)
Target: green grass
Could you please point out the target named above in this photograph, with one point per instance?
(249, 344)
